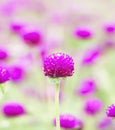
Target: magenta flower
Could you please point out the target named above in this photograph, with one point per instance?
(92, 106)
(83, 32)
(91, 55)
(111, 111)
(69, 121)
(16, 25)
(31, 36)
(58, 65)
(13, 109)
(3, 53)
(4, 74)
(109, 27)
(105, 123)
(16, 72)
(87, 86)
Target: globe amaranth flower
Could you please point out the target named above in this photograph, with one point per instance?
(3, 53)
(16, 25)
(58, 65)
(13, 109)
(111, 111)
(4, 74)
(87, 86)
(109, 27)
(16, 72)
(92, 106)
(83, 32)
(104, 123)
(31, 36)
(69, 121)
(91, 55)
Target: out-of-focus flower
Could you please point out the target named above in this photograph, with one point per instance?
(93, 106)
(109, 27)
(83, 32)
(104, 123)
(87, 86)
(13, 109)
(4, 74)
(58, 65)
(111, 111)
(16, 25)
(3, 53)
(31, 36)
(16, 72)
(69, 121)
(91, 55)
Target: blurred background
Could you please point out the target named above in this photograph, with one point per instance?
(32, 29)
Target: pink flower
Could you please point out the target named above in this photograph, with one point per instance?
(69, 121)
(111, 111)
(58, 65)
(13, 108)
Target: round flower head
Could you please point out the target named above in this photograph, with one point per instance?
(111, 111)
(87, 86)
(105, 123)
(83, 32)
(110, 27)
(4, 74)
(58, 65)
(31, 36)
(16, 72)
(69, 121)
(16, 25)
(12, 109)
(3, 53)
(93, 106)
(91, 55)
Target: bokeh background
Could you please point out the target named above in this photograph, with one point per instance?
(94, 58)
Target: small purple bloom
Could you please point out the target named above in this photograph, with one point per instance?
(110, 27)
(91, 55)
(87, 86)
(3, 53)
(17, 72)
(83, 32)
(31, 36)
(92, 106)
(111, 111)
(105, 122)
(16, 25)
(58, 65)
(13, 109)
(4, 74)
(69, 121)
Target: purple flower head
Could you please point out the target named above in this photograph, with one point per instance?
(91, 55)
(58, 65)
(92, 106)
(31, 36)
(16, 25)
(105, 122)
(16, 72)
(83, 32)
(13, 109)
(87, 86)
(69, 121)
(111, 111)
(109, 27)
(4, 74)
(3, 53)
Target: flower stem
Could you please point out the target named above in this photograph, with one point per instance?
(57, 105)
(2, 88)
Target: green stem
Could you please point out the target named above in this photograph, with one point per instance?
(2, 87)
(57, 105)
